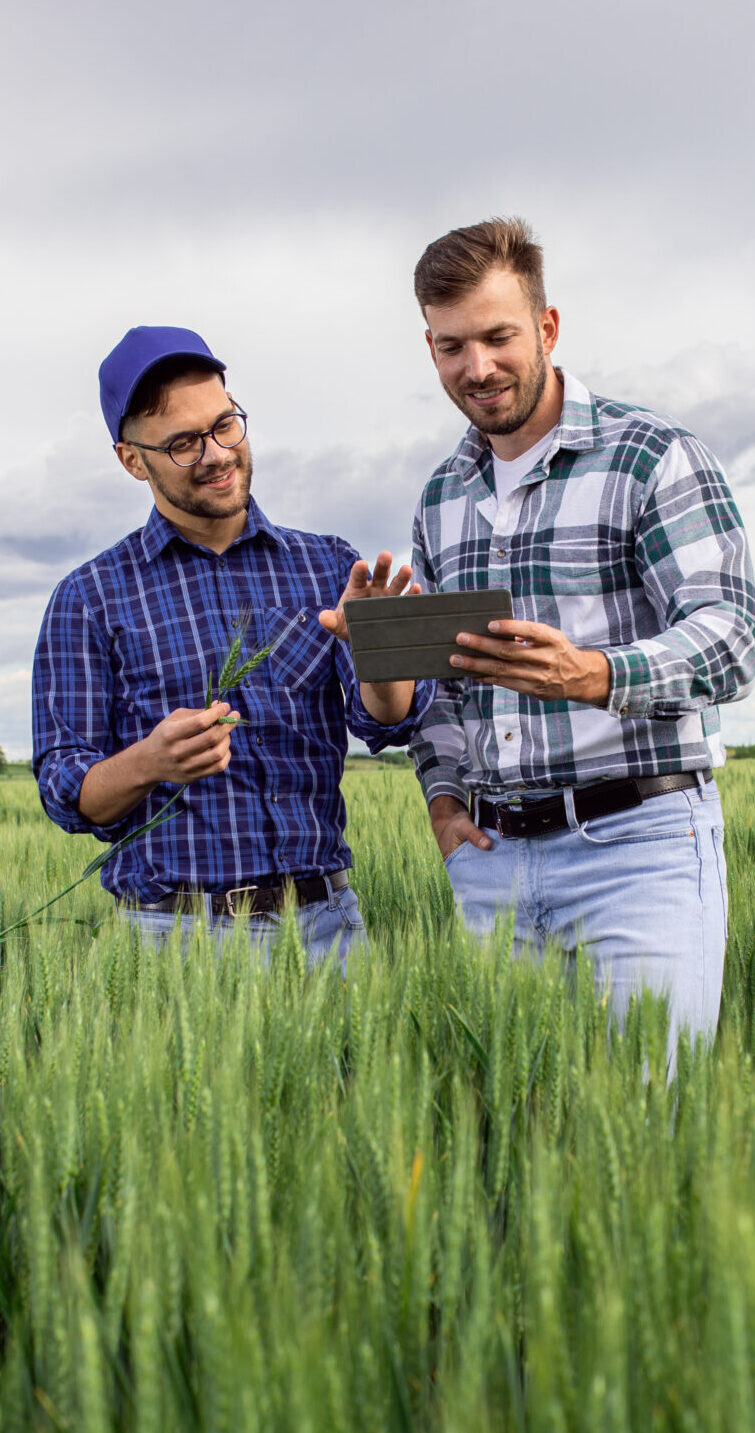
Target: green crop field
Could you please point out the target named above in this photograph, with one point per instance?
(443, 1194)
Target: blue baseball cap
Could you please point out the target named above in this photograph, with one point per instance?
(139, 351)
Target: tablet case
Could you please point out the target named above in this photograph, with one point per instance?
(396, 638)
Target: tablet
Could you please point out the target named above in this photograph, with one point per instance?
(396, 638)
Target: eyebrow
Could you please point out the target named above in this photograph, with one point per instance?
(509, 325)
(189, 432)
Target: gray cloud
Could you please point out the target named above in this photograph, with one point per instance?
(309, 106)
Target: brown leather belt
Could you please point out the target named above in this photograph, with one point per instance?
(537, 815)
(256, 899)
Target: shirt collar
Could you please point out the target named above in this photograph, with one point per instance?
(578, 429)
(158, 532)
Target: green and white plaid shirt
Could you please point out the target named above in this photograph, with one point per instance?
(626, 537)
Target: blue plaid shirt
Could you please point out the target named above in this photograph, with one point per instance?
(136, 633)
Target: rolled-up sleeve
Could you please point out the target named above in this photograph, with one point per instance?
(362, 724)
(71, 705)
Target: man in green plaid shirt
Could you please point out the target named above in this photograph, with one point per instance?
(567, 761)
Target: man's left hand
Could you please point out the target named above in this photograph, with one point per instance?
(537, 660)
(359, 585)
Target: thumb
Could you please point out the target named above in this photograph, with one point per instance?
(328, 619)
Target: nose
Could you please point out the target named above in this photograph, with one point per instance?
(214, 452)
(479, 363)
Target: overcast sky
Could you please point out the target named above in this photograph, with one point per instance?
(269, 173)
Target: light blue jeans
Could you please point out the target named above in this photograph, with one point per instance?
(332, 924)
(642, 891)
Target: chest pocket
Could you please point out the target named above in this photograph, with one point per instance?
(304, 655)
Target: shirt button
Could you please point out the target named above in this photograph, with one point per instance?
(509, 736)
(502, 551)
(222, 562)
(273, 797)
(623, 711)
(259, 741)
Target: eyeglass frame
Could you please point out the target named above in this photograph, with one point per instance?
(208, 433)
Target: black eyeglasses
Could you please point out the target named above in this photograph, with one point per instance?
(188, 448)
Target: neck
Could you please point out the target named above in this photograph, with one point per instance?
(545, 416)
(215, 533)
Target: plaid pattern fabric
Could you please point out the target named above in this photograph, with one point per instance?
(625, 537)
(135, 633)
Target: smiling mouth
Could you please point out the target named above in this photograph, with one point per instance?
(218, 479)
(487, 395)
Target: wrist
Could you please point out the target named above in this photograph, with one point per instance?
(442, 809)
(595, 683)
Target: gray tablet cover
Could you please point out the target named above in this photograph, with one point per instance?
(395, 638)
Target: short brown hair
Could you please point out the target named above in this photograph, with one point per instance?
(457, 262)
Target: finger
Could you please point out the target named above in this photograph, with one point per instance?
(400, 580)
(382, 569)
(538, 632)
(328, 619)
(465, 830)
(185, 723)
(505, 671)
(358, 578)
(502, 648)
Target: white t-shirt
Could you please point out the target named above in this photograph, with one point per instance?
(509, 475)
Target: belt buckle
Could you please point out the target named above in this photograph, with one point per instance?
(236, 891)
(515, 806)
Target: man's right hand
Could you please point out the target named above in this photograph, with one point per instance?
(452, 826)
(185, 746)
(188, 744)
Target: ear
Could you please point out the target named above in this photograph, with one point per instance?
(549, 323)
(131, 459)
(431, 345)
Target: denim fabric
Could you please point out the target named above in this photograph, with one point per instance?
(642, 891)
(333, 924)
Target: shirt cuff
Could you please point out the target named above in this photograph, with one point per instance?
(377, 736)
(442, 781)
(631, 677)
(60, 782)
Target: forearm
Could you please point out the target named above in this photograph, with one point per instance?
(113, 787)
(387, 702)
(185, 746)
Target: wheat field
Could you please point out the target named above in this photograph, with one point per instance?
(443, 1194)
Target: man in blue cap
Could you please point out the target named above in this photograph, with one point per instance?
(132, 641)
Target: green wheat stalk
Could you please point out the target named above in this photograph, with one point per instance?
(233, 671)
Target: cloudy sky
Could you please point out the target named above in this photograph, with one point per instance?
(269, 172)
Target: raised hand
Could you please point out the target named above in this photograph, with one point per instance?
(361, 585)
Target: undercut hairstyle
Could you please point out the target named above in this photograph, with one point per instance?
(151, 393)
(455, 264)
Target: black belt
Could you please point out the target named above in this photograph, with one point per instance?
(535, 816)
(255, 898)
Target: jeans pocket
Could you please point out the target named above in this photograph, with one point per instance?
(659, 818)
(346, 903)
(457, 850)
